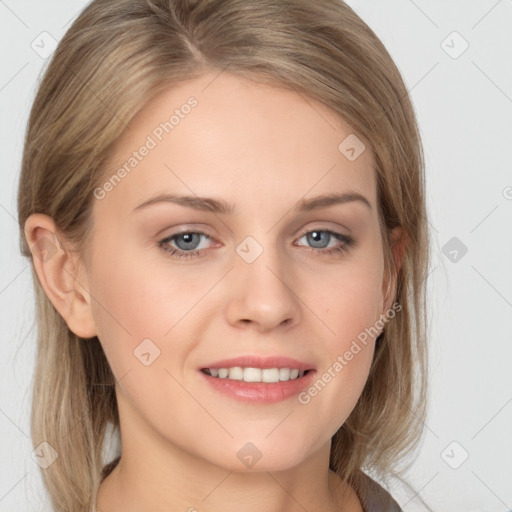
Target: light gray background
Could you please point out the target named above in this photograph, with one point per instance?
(464, 107)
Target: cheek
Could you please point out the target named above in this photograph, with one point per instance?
(133, 301)
(350, 299)
(349, 306)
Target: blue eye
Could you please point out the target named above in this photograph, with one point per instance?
(189, 239)
(317, 235)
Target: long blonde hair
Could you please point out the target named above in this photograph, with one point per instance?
(116, 56)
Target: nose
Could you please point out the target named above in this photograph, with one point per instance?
(261, 294)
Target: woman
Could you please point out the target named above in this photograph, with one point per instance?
(183, 161)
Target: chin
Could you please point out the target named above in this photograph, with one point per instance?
(263, 455)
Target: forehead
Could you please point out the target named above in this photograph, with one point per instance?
(227, 136)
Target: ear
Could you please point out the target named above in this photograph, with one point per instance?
(61, 274)
(397, 241)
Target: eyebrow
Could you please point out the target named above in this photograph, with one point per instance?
(213, 205)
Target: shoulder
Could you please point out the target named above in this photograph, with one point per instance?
(374, 498)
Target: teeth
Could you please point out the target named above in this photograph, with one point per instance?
(270, 375)
(236, 373)
(252, 375)
(284, 373)
(256, 374)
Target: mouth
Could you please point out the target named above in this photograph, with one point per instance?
(250, 374)
(257, 379)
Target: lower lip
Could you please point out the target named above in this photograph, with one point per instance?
(260, 392)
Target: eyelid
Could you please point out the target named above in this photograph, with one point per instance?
(320, 228)
(194, 228)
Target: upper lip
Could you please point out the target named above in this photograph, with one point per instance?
(252, 361)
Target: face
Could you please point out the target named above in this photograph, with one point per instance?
(265, 283)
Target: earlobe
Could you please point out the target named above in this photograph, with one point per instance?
(60, 274)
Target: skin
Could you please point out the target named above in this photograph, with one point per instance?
(263, 149)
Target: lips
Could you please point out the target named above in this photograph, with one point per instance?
(265, 380)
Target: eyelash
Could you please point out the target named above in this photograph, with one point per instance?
(180, 254)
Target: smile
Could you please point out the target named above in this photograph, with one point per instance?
(266, 375)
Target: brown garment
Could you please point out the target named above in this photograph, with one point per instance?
(374, 498)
